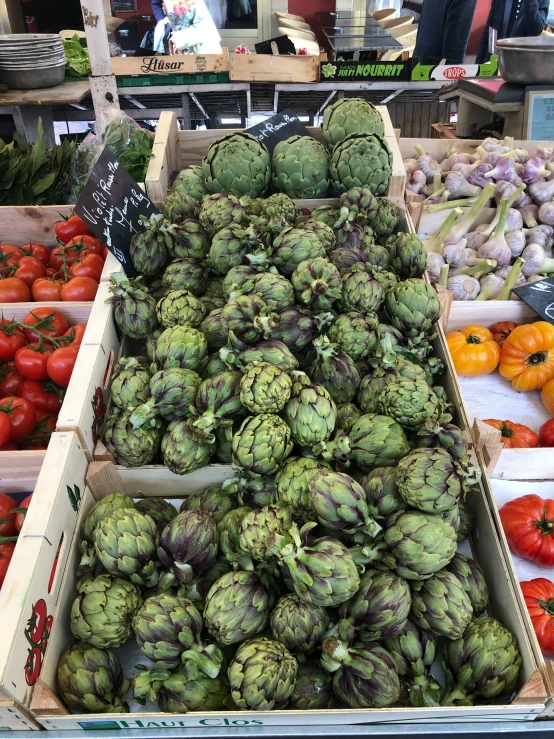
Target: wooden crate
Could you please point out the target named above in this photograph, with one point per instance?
(174, 150)
(32, 585)
(104, 478)
(274, 68)
(163, 65)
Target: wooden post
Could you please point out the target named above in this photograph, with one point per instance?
(103, 86)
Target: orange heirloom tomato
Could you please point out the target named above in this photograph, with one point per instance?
(473, 350)
(514, 435)
(547, 397)
(527, 357)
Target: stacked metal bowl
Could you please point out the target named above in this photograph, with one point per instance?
(32, 60)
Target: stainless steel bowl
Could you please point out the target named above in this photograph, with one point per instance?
(526, 61)
(33, 79)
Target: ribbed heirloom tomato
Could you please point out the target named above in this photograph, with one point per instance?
(528, 523)
(514, 435)
(527, 357)
(539, 599)
(473, 350)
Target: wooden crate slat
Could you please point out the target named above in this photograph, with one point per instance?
(273, 68)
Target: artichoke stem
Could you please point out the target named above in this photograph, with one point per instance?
(202, 662)
(456, 697)
(142, 415)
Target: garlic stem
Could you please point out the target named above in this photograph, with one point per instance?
(463, 226)
(443, 275)
(437, 179)
(511, 280)
(434, 243)
(485, 266)
(450, 204)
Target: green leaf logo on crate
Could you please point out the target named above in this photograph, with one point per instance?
(328, 70)
(99, 409)
(37, 633)
(74, 495)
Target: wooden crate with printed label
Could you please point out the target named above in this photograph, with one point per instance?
(274, 68)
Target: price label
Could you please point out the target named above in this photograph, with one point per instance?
(540, 296)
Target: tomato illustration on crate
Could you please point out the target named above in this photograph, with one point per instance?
(37, 633)
(99, 409)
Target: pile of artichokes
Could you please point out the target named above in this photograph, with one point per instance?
(325, 571)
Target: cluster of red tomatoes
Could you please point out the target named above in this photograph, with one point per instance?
(37, 357)
(12, 516)
(71, 271)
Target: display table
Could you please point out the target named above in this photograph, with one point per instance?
(27, 106)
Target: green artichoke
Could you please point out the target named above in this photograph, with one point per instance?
(386, 219)
(159, 510)
(103, 508)
(292, 482)
(229, 529)
(300, 167)
(323, 573)
(213, 499)
(132, 447)
(237, 608)
(149, 249)
(238, 164)
(441, 605)
(295, 245)
(221, 210)
(296, 329)
(270, 350)
(361, 290)
(410, 402)
(181, 690)
(350, 115)
(185, 448)
(408, 256)
(258, 525)
(334, 370)
(313, 689)
(413, 308)
(214, 366)
(187, 240)
(355, 334)
(483, 663)
(274, 289)
(172, 395)
(191, 182)
(249, 318)
(188, 544)
(102, 612)
(278, 212)
(413, 652)
(181, 346)
(377, 441)
(310, 413)
(421, 543)
(317, 284)
(427, 480)
(130, 386)
(261, 444)
(218, 401)
(262, 675)
(134, 309)
(361, 160)
(298, 627)
(185, 274)
(180, 308)
(91, 680)
(265, 388)
(466, 521)
(473, 581)
(347, 413)
(381, 491)
(236, 245)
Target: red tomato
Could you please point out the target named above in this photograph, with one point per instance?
(528, 524)
(5, 437)
(46, 290)
(9, 446)
(51, 272)
(32, 363)
(43, 397)
(20, 517)
(91, 244)
(76, 332)
(9, 257)
(6, 553)
(7, 518)
(38, 251)
(11, 339)
(22, 415)
(80, 289)
(91, 266)
(539, 599)
(61, 363)
(68, 229)
(45, 425)
(50, 323)
(14, 290)
(30, 269)
(11, 380)
(546, 433)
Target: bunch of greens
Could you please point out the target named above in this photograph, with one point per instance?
(33, 174)
(131, 144)
(77, 58)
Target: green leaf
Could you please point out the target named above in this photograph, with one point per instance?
(44, 183)
(37, 150)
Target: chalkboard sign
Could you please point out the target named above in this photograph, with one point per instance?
(278, 128)
(540, 296)
(113, 206)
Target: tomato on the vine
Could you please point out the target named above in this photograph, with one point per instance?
(9, 257)
(91, 266)
(10, 341)
(30, 269)
(21, 413)
(70, 228)
(32, 362)
(6, 554)
(43, 396)
(11, 380)
(76, 332)
(53, 323)
(60, 364)
(47, 290)
(7, 518)
(5, 436)
(80, 289)
(92, 245)
(20, 517)
(38, 251)
(45, 425)
(14, 290)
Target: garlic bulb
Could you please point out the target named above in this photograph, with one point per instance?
(490, 286)
(477, 176)
(503, 272)
(542, 192)
(496, 247)
(505, 169)
(514, 220)
(530, 213)
(434, 264)
(536, 261)
(516, 242)
(459, 187)
(416, 181)
(540, 234)
(463, 287)
(475, 239)
(410, 165)
(427, 163)
(546, 213)
(506, 190)
(454, 254)
(534, 170)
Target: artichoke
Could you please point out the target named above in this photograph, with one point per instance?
(278, 212)
(421, 543)
(413, 652)
(178, 206)
(249, 318)
(375, 255)
(413, 308)
(261, 444)
(134, 309)
(229, 529)
(125, 542)
(466, 521)
(265, 388)
(440, 433)
(350, 115)
(181, 346)
(270, 350)
(427, 480)
(358, 204)
(377, 441)
(151, 343)
(328, 214)
(310, 413)
(218, 401)
(345, 257)
(172, 395)
(386, 219)
(347, 413)
(317, 284)
(293, 246)
(296, 328)
(130, 385)
(324, 233)
(441, 605)
(361, 290)
(313, 689)
(235, 245)
(299, 628)
(262, 675)
(186, 448)
(236, 278)
(102, 612)
(237, 608)
(185, 274)
(178, 692)
(292, 482)
(361, 160)
(254, 492)
(258, 525)
(238, 164)
(191, 182)
(91, 679)
(300, 167)
(214, 499)
(355, 334)
(381, 606)
(188, 544)
(212, 329)
(483, 663)
(103, 508)
(381, 491)
(323, 573)
(187, 239)
(132, 447)
(274, 289)
(159, 510)
(198, 589)
(408, 257)
(410, 402)
(221, 210)
(334, 370)
(473, 581)
(149, 250)
(180, 308)
(214, 366)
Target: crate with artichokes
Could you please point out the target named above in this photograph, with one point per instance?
(325, 573)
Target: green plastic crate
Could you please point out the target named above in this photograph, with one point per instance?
(173, 79)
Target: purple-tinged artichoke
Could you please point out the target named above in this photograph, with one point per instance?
(355, 334)
(297, 328)
(310, 413)
(262, 675)
(235, 245)
(313, 689)
(187, 240)
(334, 370)
(361, 290)
(413, 652)
(213, 499)
(186, 448)
(441, 605)
(317, 284)
(257, 526)
(149, 249)
(172, 395)
(299, 628)
(249, 318)
(221, 209)
(134, 309)
(293, 246)
(185, 274)
(237, 608)
(427, 480)
(179, 206)
(471, 576)
(218, 401)
(261, 445)
(383, 498)
(188, 544)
